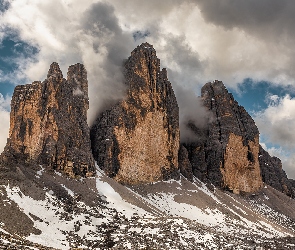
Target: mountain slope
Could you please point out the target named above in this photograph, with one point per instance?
(97, 213)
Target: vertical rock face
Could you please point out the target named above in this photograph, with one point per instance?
(137, 140)
(274, 175)
(48, 123)
(228, 157)
(184, 163)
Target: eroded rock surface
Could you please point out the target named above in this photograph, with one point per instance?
(273, 173)
(184, 163)
(228, 156)
(48, 123)
(137, 140)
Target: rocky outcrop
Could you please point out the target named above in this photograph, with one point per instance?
(274, 175)
(185, 166)
(228, 156)
(137, 140)
(48, 123)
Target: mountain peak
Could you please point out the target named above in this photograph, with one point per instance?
(140, 144)
(54, 71)
(48, 123)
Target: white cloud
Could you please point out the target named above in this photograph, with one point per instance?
(4, 120)
(276, 123)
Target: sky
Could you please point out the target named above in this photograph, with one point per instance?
(249, 45)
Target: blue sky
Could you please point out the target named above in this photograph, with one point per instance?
(253, 95)
(249, 47)
(12, 49)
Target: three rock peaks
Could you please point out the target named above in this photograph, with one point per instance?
(138, 140)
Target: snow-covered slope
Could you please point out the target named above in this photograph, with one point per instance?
(99, 213)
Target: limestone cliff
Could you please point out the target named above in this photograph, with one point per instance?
(185, 166)
(273, 173)
(137, 140)
(48, 123)
(228, 156)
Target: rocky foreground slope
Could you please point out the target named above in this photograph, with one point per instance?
(99, 213)
(221, 191)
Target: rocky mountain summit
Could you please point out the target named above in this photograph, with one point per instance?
(48, 123)
(229, 155)
(137, 140)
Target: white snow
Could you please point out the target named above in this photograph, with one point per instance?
(57, 173)
(70, 192)
(51, 233)
(40, 171)
(114, 199)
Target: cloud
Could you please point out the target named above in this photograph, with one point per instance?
(191, 111)
(278, 120)
(5, 118)
(276, 124)
(92, 36)
(264, 18)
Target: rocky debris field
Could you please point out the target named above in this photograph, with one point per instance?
(162, 215)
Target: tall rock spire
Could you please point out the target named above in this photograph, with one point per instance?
(228, 157)
(49, 123)
(137, 140)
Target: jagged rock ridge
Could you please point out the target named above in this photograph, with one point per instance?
(274, 175)
(48, 123)
(228, 156)
(137, 140)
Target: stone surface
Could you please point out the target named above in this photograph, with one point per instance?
(274, 175)
(48, 123)
(228, 155)
(240, 169)
(185, 166)
(137, 140)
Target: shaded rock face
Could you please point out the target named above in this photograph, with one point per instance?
(48, 123)
(185, 166)
(228, 155)
(274, 175)
(137, 140)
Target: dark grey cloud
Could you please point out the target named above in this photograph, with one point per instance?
(100, 19)
(183, 74)
(271, 19)
(191, 111)
(110, 42)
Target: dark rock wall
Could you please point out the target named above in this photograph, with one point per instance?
(274, 175)
(228, 156)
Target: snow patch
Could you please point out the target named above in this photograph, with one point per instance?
(114, 199)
